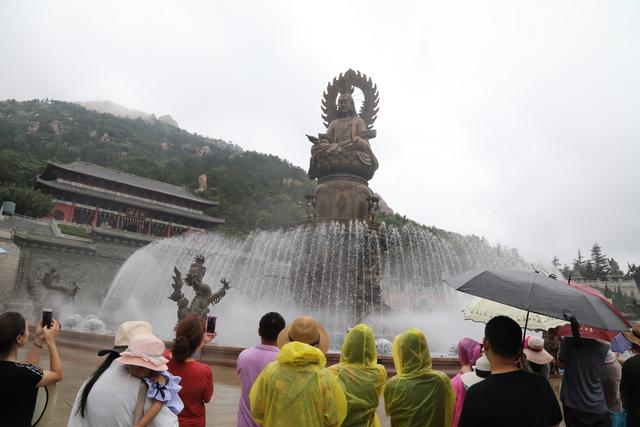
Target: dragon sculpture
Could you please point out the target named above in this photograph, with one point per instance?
(199, 305)
(50, 281)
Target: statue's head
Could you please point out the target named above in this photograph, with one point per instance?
(346, 106)
(197, 269)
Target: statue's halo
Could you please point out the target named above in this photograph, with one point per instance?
(345, 83)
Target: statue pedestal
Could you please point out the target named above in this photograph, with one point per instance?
(342, 197)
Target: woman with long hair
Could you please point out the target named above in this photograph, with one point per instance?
(21, 380)
(197, 379)
(110, 397)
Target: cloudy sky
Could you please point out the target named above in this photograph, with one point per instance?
(517, 121)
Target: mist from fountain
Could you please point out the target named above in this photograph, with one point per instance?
(263, 267)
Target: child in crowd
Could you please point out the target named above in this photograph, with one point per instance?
(143, 359)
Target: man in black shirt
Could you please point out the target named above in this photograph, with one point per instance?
(630, 383)
(509, 397)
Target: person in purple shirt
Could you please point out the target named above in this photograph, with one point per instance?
(252, 360)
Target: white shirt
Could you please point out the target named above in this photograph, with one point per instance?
(112, 400)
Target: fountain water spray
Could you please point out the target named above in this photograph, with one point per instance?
(313, 269)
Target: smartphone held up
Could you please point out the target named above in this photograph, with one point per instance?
(211, 324)
(47, 318)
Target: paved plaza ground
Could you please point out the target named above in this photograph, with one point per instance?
(221, 411)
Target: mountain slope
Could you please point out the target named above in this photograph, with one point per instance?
(121, 111)
(254, 190)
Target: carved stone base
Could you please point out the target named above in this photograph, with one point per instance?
(342, 197)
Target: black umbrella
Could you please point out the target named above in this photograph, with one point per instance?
(537, 293)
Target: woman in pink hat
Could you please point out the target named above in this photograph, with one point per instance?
(461, 382)
(143, 359)
(469, 351)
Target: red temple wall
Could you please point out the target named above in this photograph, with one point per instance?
(67, 211)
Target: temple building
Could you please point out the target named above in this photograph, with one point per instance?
(93, 195)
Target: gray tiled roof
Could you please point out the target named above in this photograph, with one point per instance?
(128, 201)
(132, 180)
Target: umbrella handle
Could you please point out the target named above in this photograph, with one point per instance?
(524, 333)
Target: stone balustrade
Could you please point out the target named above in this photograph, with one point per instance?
(218, 355)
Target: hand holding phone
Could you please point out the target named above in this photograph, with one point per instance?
(211, 324)
(47, 318)
(50, 334)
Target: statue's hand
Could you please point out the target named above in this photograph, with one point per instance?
(358, 144)
(369, 134)
(225, 283)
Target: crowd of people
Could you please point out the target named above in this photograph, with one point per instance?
(503, 380)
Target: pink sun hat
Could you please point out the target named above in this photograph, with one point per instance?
(145, 350)
(534, 350)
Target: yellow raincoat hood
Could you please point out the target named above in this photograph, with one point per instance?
(417, 395)
(297, 390)
(361, 378)
(411, 354)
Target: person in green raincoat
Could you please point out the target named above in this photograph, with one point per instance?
(361, 378)
(417, 396)
(297, 389)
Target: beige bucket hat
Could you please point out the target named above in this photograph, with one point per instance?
(125, 333)
(633, 335)
(307, 330)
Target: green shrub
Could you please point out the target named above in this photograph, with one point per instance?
(72, 230)
(28, 201)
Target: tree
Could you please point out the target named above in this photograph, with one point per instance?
(28, 201)
(588, 272)
(555, 261)
(578, 265)
(634, 273)
(614, 268)
(599, 263)
(17, 168)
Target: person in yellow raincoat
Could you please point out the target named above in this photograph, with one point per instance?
(361, 378)
(297, 390)
(417, 396)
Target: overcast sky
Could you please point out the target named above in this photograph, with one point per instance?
(518, 121)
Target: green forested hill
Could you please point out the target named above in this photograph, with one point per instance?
(254, 190)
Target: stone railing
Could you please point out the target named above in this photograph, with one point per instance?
(217, 355)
